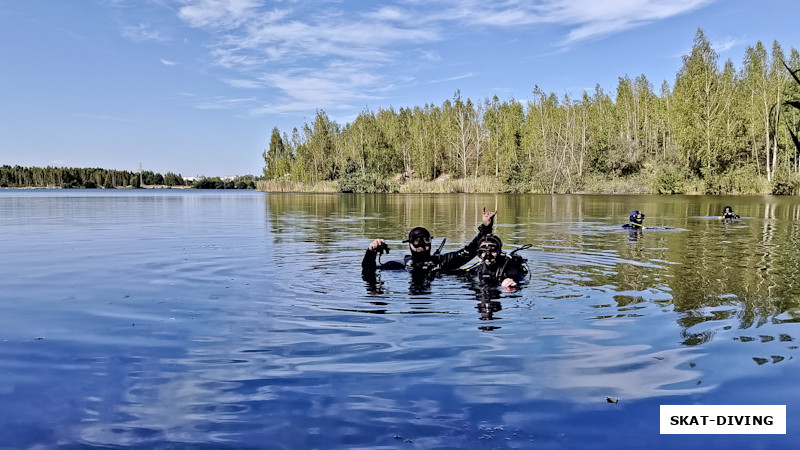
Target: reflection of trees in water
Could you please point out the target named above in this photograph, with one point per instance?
(735, 277)
(331, 218)
(717, 277)
(754, 267)
(314, 218)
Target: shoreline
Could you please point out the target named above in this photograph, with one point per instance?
(489, 185)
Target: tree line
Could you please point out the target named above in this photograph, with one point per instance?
(72, 177)
(91, 178)
(718, 129)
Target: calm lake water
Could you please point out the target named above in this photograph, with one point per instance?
(208, 319)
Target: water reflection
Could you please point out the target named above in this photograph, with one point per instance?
(715, 277)
(708, 278)
(218, 321)
(488, 301)
(709, 264)
(634, 234)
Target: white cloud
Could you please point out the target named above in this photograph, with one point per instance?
(727, 44)
(454, 78)
(391, 14)
(167, 62)
(431, 55)
(587, 18)
(244, 84)
(331, 87)
(322, 36)
(219, 14)
(142, 32)
(318, 59)
(224, 103)
(311, 56)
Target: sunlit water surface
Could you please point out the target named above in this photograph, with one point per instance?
(240, 320)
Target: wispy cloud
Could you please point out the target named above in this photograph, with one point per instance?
(142, 32)
(309, 55)
(720, 45)
(592, 19)
(727, 43)
(431, 55)
(585, 19)
(224, 103)
(314, 57)
(337, 86)
(244, 84)
(167, 62)
(457, 77)
(218, 14)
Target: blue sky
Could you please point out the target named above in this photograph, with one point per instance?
(196, 86)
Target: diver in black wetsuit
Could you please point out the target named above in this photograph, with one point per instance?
(728, 216)
(635, 220)
(496, 267)
(421, 263)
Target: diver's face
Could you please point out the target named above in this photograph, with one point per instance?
(488, 253)
(638, 218)
(420, 245)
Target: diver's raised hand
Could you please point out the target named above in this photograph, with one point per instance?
(377, 245)
(488, 217)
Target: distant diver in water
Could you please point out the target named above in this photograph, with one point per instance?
(635, 220)
(728, 215)
(635, 225)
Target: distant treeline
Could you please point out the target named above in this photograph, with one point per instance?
(91, 178)
(716, 130)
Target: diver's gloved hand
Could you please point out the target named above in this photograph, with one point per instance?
(509, 285)
(378, 245)
(487, 222)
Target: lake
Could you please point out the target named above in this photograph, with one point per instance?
(229, 319)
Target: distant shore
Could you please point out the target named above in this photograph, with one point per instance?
(155, 186)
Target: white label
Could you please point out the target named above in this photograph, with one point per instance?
(723, 419)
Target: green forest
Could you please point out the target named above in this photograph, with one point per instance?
(717, 129)
(93, 178)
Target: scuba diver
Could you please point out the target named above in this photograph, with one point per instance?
(635, 225)
(423, 265)
(728, 215)
(496, 267)
(635, 220)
